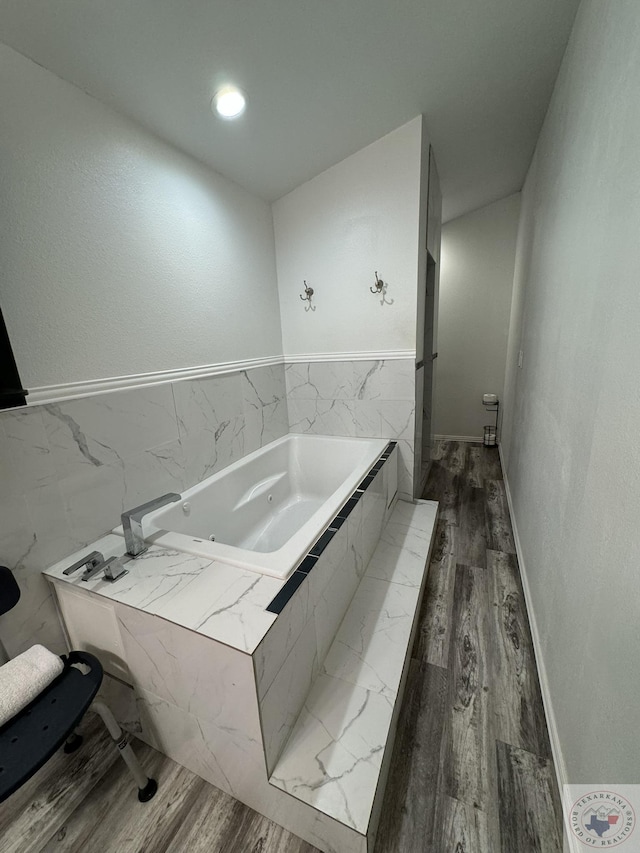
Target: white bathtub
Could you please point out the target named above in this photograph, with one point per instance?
(266, 510)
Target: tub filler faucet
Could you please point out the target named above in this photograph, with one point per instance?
(132, 522)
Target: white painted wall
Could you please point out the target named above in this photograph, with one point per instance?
(571, 429)
(476, 278)
(334, 232)
(119, 254)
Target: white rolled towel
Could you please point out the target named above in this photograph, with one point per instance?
(25, 677)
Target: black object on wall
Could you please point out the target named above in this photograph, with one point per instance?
(11, 391)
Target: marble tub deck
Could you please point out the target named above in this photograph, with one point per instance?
(220, 601)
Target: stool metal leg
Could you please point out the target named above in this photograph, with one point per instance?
(146, 787)
(73, 742)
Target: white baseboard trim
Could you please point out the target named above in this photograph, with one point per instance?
(474, 438)
(556, 749)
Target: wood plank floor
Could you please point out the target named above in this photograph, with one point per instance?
(471, 769)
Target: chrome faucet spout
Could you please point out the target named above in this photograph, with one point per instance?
(132, 522)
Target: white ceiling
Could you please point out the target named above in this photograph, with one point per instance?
(324, 78)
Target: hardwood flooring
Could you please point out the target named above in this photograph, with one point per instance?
(471, 769)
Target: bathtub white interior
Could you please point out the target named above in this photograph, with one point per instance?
(266, 510)
(249, 507)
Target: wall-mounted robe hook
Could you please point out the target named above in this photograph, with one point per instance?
(308, 293)
(377, 288)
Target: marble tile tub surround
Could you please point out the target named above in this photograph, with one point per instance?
(68, 470)
(365, 399)
(197, 692)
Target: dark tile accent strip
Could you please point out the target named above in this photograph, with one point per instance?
(377, 466)
(277, 604)
(307, 564)
(337, 523)
(366, 482)
(322, 543)
(390, 446)
(348, 508)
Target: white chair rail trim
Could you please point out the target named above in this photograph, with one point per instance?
(74, 390)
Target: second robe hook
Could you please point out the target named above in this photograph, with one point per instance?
(377, 288)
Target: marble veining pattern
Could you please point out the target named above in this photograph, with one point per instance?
(266, 423)
(405, 468)
(384, 379)
(109, 428)
(367, 399)
(196, 699)
(25, 456)
(192, 742)
(236, 615)
(351, 418)
(223, 418)
(336, 750)
(280, 706)
(374, 637)
(400, 554)
(334, 600)
(374, 505)
(287, 627)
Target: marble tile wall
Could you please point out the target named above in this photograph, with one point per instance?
(68, 470)
(366, 399)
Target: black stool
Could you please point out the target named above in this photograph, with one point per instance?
(29, 739)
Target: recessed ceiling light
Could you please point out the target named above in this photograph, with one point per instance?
(229, 102)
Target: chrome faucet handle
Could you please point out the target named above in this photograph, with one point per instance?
(114, 569)
(90, 571)
(91, 560)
